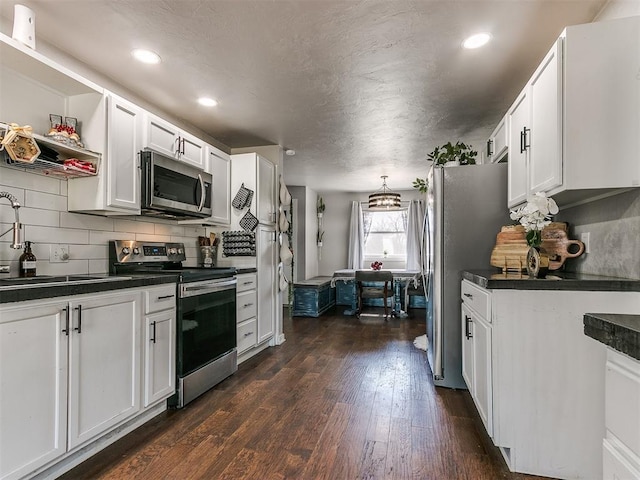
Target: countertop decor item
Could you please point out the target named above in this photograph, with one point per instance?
(511, 248)
(376, 265)
(19, 143)
(384, 199)
(534, 216)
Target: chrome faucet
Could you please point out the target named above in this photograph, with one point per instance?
(15, 227)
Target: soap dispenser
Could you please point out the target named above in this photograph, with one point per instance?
(27, 262)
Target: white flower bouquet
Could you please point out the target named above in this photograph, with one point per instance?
(534, 216)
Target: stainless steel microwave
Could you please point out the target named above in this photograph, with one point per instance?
(171, 189)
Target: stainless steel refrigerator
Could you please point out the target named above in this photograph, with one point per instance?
(465, 208)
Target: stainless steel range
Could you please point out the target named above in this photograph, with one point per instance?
(206, 312)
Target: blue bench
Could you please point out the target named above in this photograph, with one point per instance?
(313, 297)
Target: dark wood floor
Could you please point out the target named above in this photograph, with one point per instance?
(342, 398)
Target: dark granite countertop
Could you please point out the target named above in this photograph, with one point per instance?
(22, 293)
(618, 331)
(556, 280)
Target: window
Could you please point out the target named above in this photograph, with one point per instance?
(385, 234)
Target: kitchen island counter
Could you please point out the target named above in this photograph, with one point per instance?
(618, 331)
(556, 280)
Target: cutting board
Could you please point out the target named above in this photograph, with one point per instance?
(510, 251)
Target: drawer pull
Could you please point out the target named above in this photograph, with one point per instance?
(247, 305)
(247, 283)
(248, 334)
(468, 295)
(164, 297)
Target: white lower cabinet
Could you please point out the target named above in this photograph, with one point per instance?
(33, 387)
(537, 380)
(71, 372)
(621, 444)
(247, 335)
(159, 343)
(476, 355)
(104, 363)
(246, 312)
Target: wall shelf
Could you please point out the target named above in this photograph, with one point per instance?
(54, 169)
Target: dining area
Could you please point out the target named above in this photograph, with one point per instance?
(395, 290)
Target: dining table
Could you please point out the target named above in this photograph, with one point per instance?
(401, 277)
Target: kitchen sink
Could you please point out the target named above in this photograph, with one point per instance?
(45, 280)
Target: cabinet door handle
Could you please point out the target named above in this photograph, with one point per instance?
(527, 141)
(177, 152)
(521, 141)
(467, 327)
(79, 327)
(182, 146)
(468, 295)
(489, 149)
(153, 329)
(65, 330)
(164, 297)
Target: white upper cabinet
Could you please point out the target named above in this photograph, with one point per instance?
(535, 157)
(257, 174)
(518, 118)
(579, 138)
(601, 105)
(165, 138)
(116, 189)
(219, 165)
(497, 145)
(266, 191)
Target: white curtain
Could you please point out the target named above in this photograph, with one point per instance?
(414, 234)
(356, 237)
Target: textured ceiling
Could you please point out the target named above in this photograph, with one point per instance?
(358, 89)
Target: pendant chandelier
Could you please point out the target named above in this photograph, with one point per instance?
(384, 199)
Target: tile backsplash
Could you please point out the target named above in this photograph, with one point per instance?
(46, 222)
(613, 225)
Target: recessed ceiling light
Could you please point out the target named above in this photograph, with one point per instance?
(146, 56)
(289, 152)
(207, 102)
(477, 40)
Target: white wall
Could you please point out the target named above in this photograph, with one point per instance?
(47, 222)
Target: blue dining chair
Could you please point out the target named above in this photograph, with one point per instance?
(374, 284)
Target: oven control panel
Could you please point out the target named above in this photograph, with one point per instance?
(132, 251)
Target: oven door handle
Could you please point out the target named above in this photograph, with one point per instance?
(208, 288)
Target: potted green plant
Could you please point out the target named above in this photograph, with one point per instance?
(320, 207)
(448, 155)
